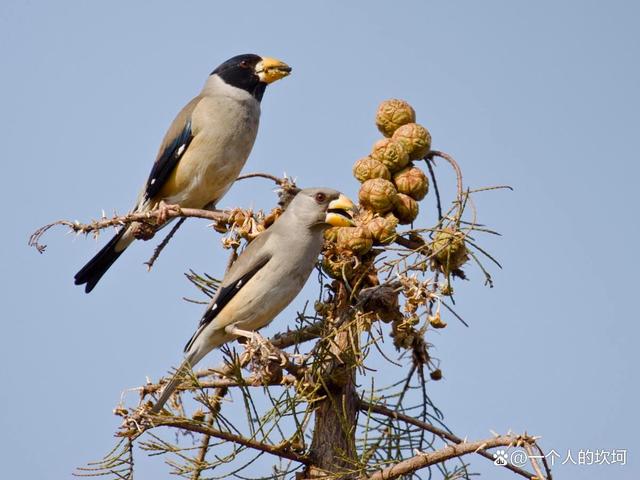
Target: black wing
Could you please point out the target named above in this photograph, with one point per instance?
(167, 161)
(223, 297)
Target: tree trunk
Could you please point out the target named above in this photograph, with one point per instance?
(333, 447)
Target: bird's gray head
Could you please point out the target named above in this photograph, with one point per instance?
(322, 207)
(252, 73)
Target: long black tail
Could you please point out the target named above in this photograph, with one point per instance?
(93, 271)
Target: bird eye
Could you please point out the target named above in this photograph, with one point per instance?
(320, 197)
(244, 64)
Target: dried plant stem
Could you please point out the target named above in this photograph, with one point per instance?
(150, 218)
(382, 410)
(422, 460)
(251, 381)
(456, 168)
(202, 452)
(158, 250)
(268, 176)
(191, 426)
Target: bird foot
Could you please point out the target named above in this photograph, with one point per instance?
(258, 347)
(164, 210)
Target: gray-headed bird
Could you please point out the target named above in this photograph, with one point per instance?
(203, 151)
(266, 277)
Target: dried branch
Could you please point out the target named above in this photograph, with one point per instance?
(425, 459)
(251, 381)
(158, 250)
(382, 410)
(456, 167)
(167, 212)
(156, 217)
(191, 426)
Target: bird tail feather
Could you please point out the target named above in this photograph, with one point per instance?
(195, 351)
(95, 268)
(175, 381)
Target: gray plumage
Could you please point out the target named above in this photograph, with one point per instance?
(203, 151)
(266, 277)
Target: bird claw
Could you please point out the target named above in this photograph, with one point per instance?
(163, 212)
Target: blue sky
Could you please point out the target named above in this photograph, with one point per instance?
(540, 95)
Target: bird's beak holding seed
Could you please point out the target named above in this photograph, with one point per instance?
(269, 70)
(340, 212)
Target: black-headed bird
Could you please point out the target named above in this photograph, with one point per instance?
(203, 151)
(266, 277)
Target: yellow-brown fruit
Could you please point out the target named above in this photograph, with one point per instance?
(378, 195)
(337, 267)
(436, 374)
(392, 114)
(406, 209)
(412, 181)
(449, 249)
(331, 234)
(367, 168)
(436, 321)
(416, 139)
(383, 229)
(356, 239)
(391, 153)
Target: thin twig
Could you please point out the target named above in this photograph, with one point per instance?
(435, 187)
(277, 180)
(156, 253)
(150, 218)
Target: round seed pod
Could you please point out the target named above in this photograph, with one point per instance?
(331, 234)
(383, 229)
(356, 239)
(412, 181)
(436, 375)
(337, 267)
(367, 168)
(406, 209)
(378, 194)
(392, 114)
(449, 250)
(391, 153)
(416, 139)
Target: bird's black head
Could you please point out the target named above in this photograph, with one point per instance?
(252, 73)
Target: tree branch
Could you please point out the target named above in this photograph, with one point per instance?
(191, 426)
(382, 410)
(424, 459)
(148, 218)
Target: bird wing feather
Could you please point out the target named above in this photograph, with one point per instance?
(250, 262)
(174, 145)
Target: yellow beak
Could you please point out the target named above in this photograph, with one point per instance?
(269, 70)
(339, 212)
